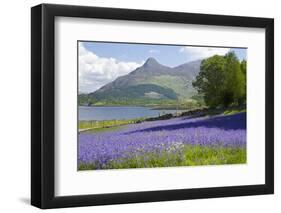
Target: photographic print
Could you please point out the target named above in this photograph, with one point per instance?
(168, 99)
(160, 105)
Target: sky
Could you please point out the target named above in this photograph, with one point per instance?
(103, 62)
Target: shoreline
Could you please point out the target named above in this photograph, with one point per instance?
(153, 107)
(103, 124)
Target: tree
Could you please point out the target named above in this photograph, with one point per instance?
(222, 80)
(243, 67)
(210, 80)
(234, 84)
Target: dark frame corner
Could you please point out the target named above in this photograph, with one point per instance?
(42, 105)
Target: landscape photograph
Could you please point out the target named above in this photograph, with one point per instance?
(160, 105)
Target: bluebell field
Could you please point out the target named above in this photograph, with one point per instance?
(180, 141)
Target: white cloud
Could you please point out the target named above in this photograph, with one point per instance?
(195, 53)
(95, 71)
(153, 51)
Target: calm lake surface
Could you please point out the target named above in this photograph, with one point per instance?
(119, 112)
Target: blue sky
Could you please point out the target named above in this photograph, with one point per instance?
(165, 54)
(101, 63)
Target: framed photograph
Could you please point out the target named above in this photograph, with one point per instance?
(140, 106)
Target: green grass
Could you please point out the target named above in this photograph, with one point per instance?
(106, 123)
(106, 129)
(187, 156)
(233, 111)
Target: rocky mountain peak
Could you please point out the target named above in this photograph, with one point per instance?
(151, 62)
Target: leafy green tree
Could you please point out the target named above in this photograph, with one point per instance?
(234, 84)
(222, 80)
(210, 80)
(243, 67)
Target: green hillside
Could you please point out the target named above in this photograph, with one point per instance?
(150, 84)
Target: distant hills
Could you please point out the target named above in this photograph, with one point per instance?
(150, 83)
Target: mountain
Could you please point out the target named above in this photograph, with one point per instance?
(151, 82)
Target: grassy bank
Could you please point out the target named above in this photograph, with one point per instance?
(106, 123)
(182, 104)
(87, 125)
(186, 156)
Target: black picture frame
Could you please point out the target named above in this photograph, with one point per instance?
(43, 110)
